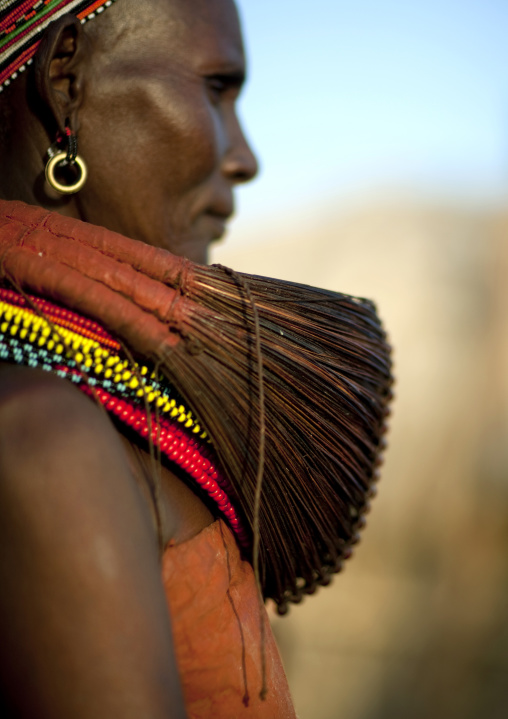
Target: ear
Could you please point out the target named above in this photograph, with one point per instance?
(59, 70)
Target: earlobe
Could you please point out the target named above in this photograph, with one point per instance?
(58, 70)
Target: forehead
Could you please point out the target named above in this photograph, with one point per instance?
(200, 32)
(211, 27)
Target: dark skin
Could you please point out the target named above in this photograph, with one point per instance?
(83, 617)
(155, 119)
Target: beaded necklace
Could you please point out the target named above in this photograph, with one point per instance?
(37, 333)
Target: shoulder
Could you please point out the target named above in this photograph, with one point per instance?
(53, 438)
(40, 413)
(82, 606)
(58, 447)
(37, 406)
(61, 459)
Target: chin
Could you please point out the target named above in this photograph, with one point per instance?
(195, 250)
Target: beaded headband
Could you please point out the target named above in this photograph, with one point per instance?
(23, 22)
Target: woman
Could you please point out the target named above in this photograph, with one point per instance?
(145, 94)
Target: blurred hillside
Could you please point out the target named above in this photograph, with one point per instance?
(417, 626)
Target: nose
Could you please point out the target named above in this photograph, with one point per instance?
(239, 164)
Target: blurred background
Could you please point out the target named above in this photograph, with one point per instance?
(382, 129)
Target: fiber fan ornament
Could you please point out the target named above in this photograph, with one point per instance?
(23, 22)
(281, 375)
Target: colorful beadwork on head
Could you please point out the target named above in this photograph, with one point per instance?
(23, 22)
(39, 333)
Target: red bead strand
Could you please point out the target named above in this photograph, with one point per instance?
(181, 449)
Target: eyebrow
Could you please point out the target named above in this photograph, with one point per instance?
(221, 65)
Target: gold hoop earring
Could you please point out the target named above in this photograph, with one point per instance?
(67, 157)
(51, 166)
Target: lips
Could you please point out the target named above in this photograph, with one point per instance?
(215, 225)
(217, 215)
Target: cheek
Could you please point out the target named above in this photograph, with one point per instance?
(176, 135)
(189, 146)
(157, 136)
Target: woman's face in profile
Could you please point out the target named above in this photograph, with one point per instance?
(164, 90)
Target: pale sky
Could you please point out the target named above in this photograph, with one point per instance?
(368, 95)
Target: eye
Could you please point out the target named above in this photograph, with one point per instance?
(223, 86)
(216, 88)
(216, 84)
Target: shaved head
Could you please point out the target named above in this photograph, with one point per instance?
(149, 91)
